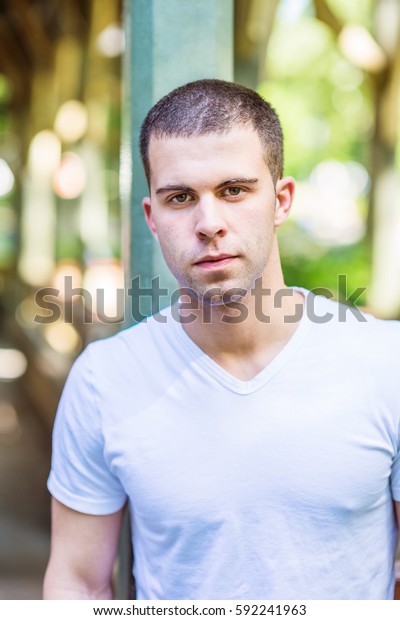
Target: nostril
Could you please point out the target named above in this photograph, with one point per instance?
(210, 233)
(209, 222)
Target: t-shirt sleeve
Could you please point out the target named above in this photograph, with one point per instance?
(80, 477)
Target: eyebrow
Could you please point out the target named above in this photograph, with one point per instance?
(173, 188)
(185, 188)
(235, 181)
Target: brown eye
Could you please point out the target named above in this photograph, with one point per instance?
(180, 198)
(234, 191)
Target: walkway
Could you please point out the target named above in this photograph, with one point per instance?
(24, 501)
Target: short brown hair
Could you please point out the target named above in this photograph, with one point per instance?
(214, 106)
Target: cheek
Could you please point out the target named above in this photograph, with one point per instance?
(164, 231)
(174, 233)
(258, 227)
(171, 245)
(261, 237)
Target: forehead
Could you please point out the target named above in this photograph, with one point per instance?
(206, 158)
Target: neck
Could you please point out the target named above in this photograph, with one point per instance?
(245, 335)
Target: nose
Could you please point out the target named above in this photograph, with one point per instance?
(209, 218)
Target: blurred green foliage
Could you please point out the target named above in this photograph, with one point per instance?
(323, 101)
(326, 109)
(357, 11)
(341, 270)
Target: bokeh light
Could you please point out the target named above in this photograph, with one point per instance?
(358, 45)
(13, 364)
(111, 41)
(6, 178)
(67, 269)
(62, 337)
(44, 155)
(69, 179)
(326, 204)
(104, 280)
(71, 121)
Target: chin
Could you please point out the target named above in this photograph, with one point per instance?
(219, 296)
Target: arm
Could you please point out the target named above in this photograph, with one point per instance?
(397, 587)
(83, 552)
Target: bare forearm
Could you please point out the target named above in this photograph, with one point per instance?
(83, 552)
(57, 587)
(60, 594)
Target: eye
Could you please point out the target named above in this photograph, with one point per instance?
(233, 191)
(180, 198)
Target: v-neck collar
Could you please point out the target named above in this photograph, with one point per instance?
(232, 383)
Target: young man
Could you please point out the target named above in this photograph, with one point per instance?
(254, 429)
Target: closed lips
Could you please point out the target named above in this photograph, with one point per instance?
(212, 259)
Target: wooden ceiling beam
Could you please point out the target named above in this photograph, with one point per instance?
(31, 33)
(11, 46)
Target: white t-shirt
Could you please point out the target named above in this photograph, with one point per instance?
(280, 487)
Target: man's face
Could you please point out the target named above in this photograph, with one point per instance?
(214, 209)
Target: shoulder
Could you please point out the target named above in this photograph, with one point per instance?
(324, 310)
(354, 330)
(140, 361)
(131, 344)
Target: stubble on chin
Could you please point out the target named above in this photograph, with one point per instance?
(217, 294)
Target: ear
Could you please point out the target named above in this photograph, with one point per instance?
(146, 204)
(284, 197)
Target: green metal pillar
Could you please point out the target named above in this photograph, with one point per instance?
(168, 43)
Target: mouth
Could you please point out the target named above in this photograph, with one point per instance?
(215, 261)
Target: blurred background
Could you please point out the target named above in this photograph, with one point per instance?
(331, 68)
